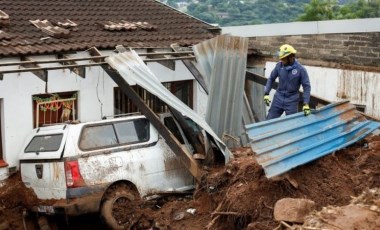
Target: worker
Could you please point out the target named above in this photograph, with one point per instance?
(291, 76)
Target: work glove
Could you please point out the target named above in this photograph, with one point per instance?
(306, 109)
(267, 100)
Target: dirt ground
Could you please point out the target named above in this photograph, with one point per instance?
(239, 196)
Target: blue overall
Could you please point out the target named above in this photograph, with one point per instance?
(286, 97)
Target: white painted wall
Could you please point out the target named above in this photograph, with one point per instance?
(200, 99)
(298, 28)
(359, 87)
(95, 98)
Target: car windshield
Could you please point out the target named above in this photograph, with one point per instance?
(44, 143)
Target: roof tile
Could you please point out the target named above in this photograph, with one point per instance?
(169, 26)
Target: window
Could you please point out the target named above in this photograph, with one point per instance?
(54, 108)
(181, 89)
(44, 143)
(111, 135)
(172, 126)
(94, 137)
(132, 131)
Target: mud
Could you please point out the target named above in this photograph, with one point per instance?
(239, 196)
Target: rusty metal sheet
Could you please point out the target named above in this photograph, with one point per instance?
(287, 142)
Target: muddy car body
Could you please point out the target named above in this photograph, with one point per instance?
(83, 166)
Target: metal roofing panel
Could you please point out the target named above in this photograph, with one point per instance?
(223, 60)
(132, 68)
(287, 142)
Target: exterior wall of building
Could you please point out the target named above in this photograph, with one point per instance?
(356, 49)
(346, 44)
(95, 98)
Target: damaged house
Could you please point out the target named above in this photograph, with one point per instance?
(55, 40)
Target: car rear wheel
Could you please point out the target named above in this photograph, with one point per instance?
(119, 206)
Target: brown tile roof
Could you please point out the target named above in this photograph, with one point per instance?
(158, 26)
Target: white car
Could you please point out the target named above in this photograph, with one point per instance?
(96, 166)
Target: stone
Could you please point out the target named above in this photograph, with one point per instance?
(293, 210)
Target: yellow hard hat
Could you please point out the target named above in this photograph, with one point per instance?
(286, 50)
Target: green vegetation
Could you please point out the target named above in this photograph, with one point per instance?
(329, 9)
(250, 12)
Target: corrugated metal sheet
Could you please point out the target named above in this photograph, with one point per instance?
(223, 60)
(287, 142)
(255, 96)
(132, 68)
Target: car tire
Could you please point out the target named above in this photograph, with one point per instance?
(118, 207)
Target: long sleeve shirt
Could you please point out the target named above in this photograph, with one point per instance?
(290, 80)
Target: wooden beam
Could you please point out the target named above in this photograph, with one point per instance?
(80, 70)
(48, 68)
(167, 63)
(184, 156)
(100, 57)
(194, 71)
(42, 74)
(182, 153)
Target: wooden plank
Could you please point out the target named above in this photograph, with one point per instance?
(184, 156)
(79, 70)
(194, 71)
(42, 74)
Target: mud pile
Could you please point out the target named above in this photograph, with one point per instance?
(14, 198)
(363, 212)
(239, 196)
(244, 190)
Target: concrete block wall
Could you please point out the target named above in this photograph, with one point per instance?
(359, 49)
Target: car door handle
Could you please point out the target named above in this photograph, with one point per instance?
(39, 170)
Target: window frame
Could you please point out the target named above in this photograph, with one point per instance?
(71, 95)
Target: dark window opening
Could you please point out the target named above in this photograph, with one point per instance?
(54, 108)
(181, 89)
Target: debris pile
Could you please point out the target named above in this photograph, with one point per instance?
(239, 196)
